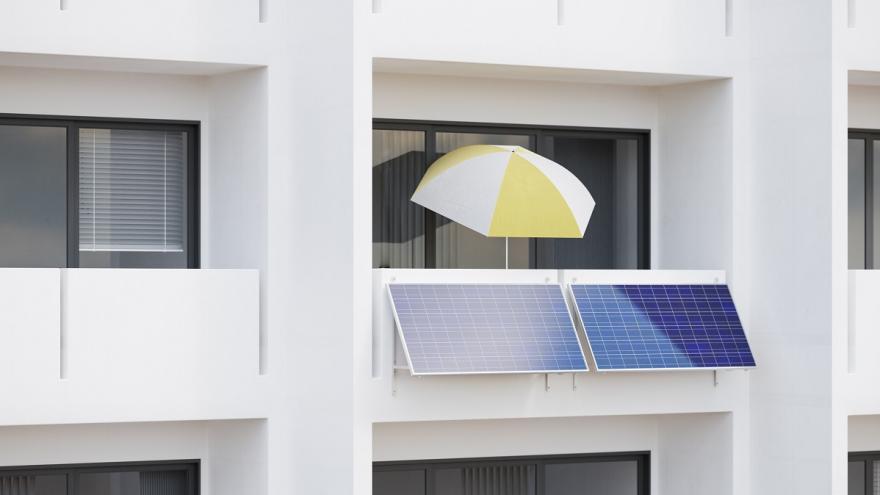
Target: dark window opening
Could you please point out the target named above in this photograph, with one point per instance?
(612, 474)
(864, 199)
(78, 192)
(613, 164)
(154, 478)
(864, 473)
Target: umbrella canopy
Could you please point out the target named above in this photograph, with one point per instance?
(506, 191)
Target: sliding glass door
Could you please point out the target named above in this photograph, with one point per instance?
(864, 200)
(154, 478)
(33, 195)
(617, 474)
(612, 164)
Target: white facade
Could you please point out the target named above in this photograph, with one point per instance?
(273, 364)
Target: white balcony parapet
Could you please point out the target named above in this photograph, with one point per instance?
(863, 342)
(96, 345)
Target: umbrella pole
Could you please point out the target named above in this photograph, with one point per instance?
(506, 253)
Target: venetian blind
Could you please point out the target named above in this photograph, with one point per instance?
(131, 190)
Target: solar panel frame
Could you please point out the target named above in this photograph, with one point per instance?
(406, 352)
(592, 357)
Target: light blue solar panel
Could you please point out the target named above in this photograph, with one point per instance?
(644, 327)
(486, 328)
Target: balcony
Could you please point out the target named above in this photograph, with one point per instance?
(104, 345)
(397, 396)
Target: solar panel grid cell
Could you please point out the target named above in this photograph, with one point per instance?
(486, 328)
(632, 327)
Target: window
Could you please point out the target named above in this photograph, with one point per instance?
(618, 474)
(156, 478)
(864, 473)
(612, 164)
(864, 199)
(97, 193)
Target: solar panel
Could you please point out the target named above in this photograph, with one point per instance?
(486, 328)
(650, 327)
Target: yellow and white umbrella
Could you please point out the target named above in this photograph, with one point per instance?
(506, 191)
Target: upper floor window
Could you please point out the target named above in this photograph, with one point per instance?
(92, 193)
(612, 164)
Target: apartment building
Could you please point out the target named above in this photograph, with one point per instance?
(203, 205)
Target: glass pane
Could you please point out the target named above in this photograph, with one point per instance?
(33, 196)
(607, 478)
(875, 207)
(856, 200)
(610, 170)
(54, 484)
(460, 247)
(132, 198)
(133, 483)
(856, 481)
(13, 484)
(409, 482)
(876, 488)
(505, 479)
(398, 223)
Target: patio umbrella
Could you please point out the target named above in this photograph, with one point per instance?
(506, 191)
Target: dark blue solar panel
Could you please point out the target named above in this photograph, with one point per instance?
(633, 327)
(486, 328)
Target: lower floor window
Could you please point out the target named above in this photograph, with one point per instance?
(102, 479)
(618, 474)
(864, 473)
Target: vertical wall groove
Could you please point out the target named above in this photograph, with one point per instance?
(560, 12)
(263, 5)
(851, 13)
(728, 18)
(62, 326)
(377, 6)
(62, 4)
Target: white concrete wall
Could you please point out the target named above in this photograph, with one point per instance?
(695, 212)
(95, 345)
(189, 30)
(696, 454)
(232, 453)
(862, 36)
(793, 263)
(864, 107)
(864, 433)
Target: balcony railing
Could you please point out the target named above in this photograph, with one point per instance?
(397, 396)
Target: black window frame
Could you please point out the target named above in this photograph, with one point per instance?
(642, 458)
(868, 136)
(868, 458)
(74, 124)
(538, 135)
(192, 467)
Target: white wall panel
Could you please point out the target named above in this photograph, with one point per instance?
(30, 328)
(662, 36)
(209, 30)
